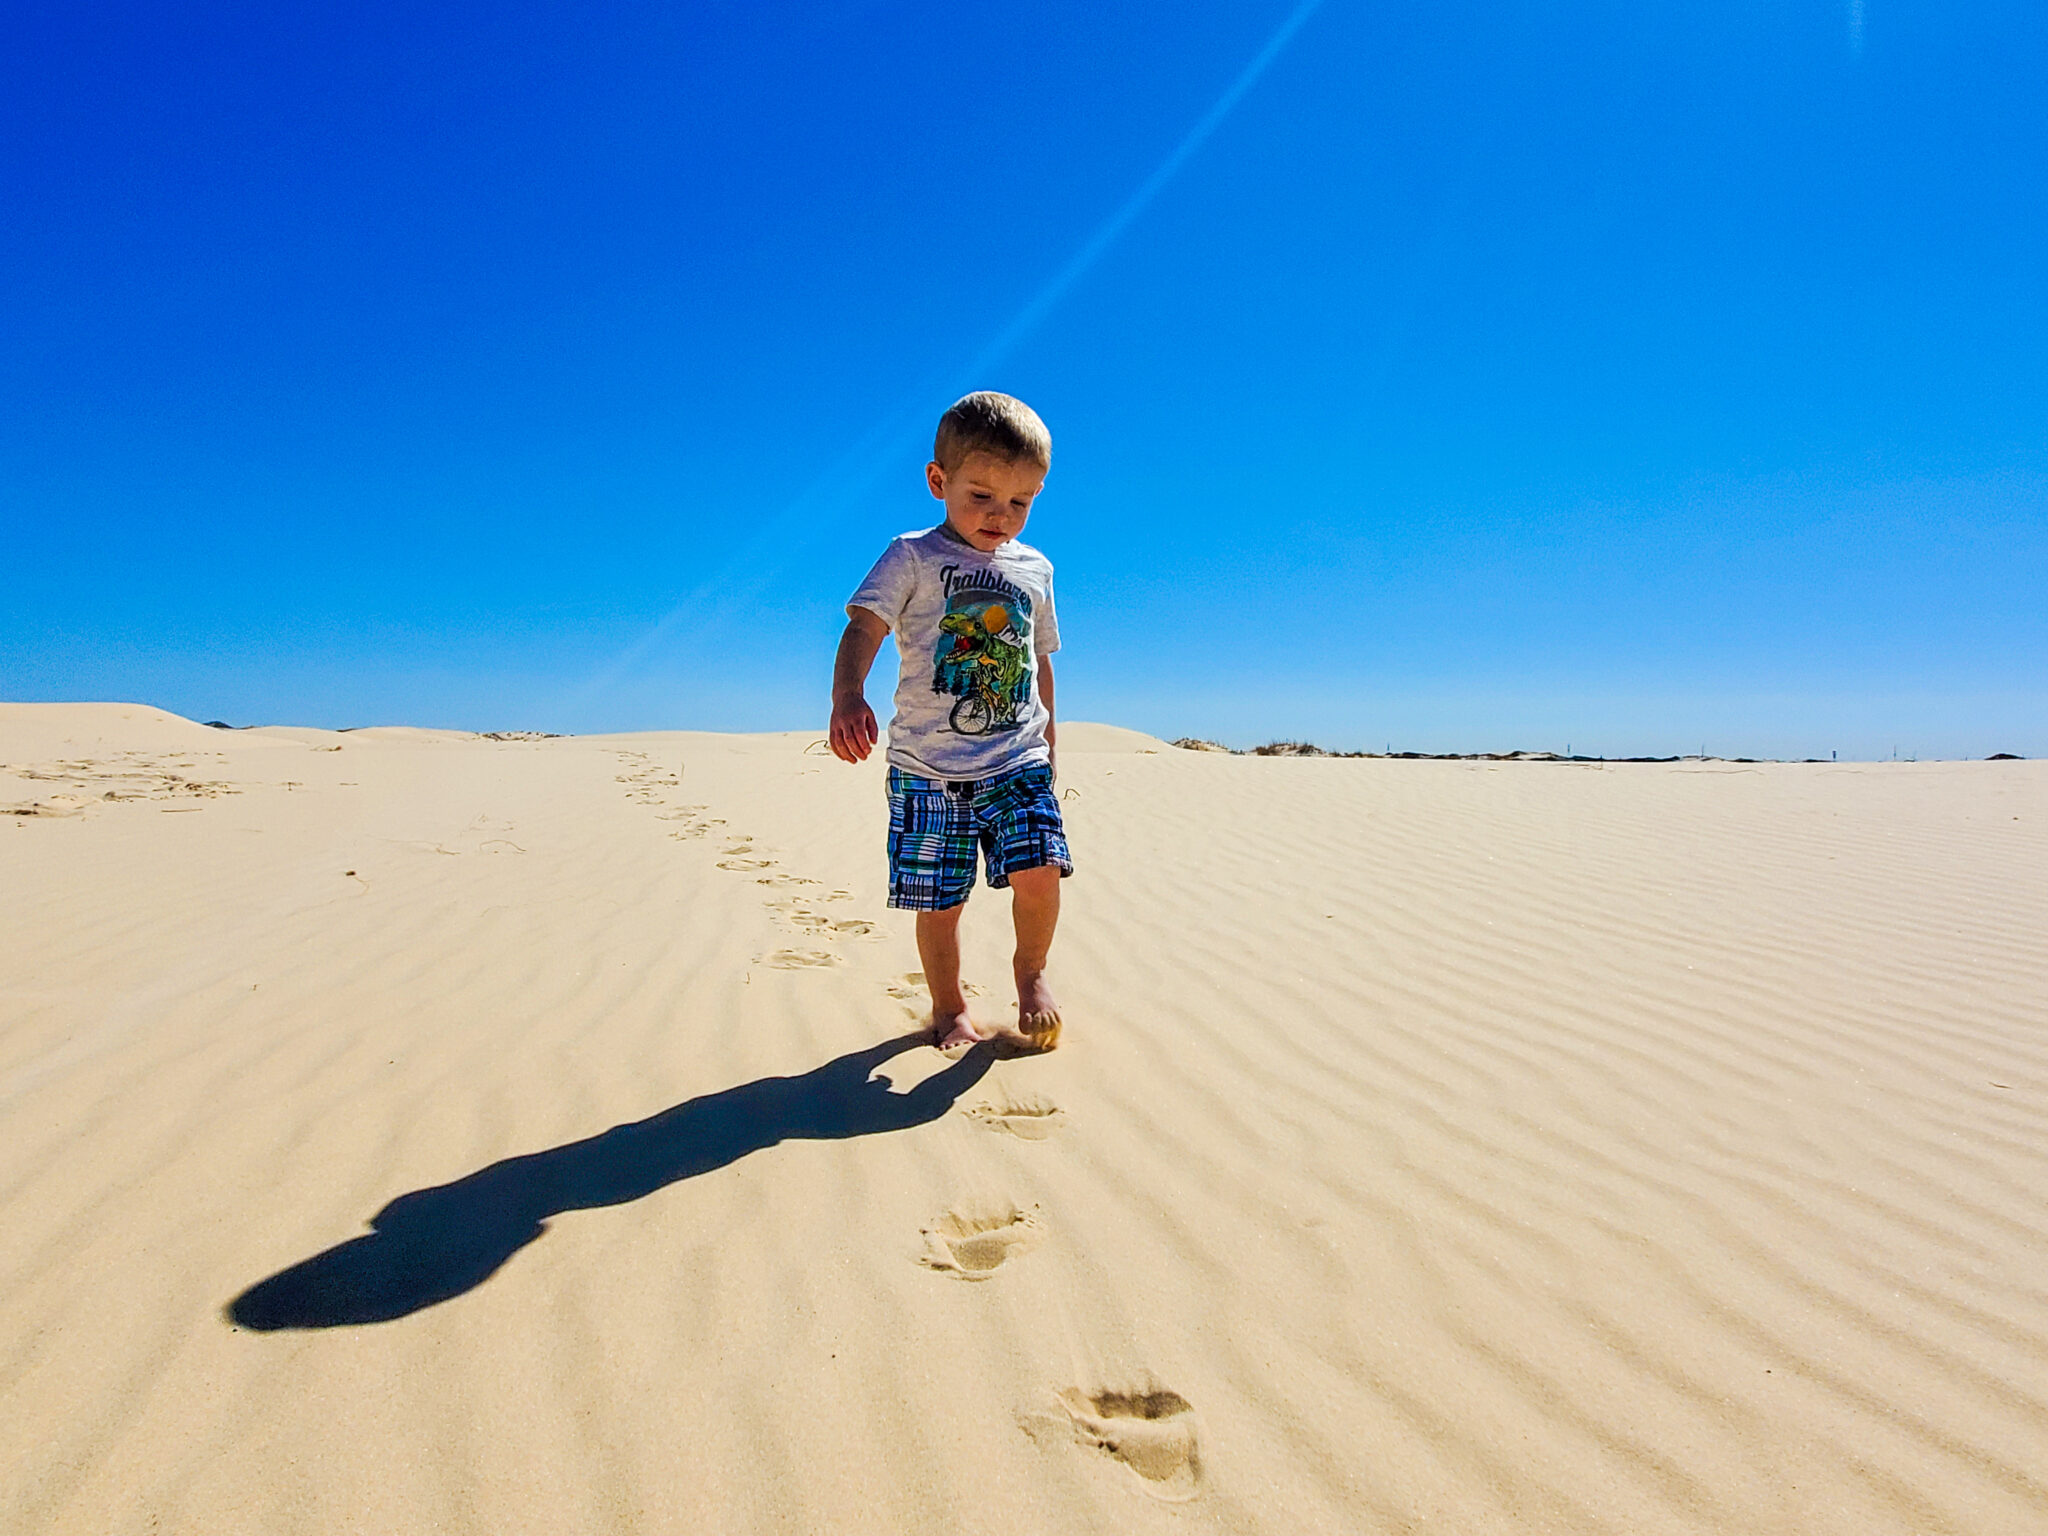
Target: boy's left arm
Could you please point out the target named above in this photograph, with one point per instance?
(1045, 697)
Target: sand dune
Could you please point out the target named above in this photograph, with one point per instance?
(412, 1132)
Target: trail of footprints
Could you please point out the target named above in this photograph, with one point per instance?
(1148, 1428)
(646, 781)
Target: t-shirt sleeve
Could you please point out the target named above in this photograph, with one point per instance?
(1045, 625)
(886, 588)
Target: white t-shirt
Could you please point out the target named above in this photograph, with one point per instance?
(969, 628)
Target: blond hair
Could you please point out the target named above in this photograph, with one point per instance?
(991, 423)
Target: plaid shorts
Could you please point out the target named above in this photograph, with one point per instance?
(935, 826)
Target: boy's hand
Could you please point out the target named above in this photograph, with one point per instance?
(854, 732)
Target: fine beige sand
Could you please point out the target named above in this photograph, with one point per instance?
(414, 1132)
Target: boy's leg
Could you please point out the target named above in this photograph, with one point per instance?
(931, 870)
(938, 947)
(1035, 909)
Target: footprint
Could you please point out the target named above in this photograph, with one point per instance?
(780, 879)
(71, 806)
(797, 959)
(909, 987)
(816, 924)
(1152, 1432)
(973, 1246)
(853, 925)
(746, 863)
(1028, 1119)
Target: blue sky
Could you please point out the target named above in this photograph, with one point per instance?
(1464, 376)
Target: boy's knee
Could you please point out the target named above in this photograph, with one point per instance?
(1040, 881)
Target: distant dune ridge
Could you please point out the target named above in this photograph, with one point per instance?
(417, 1131)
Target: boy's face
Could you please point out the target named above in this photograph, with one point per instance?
(987, 499)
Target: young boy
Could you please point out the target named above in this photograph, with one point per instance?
(971, 745)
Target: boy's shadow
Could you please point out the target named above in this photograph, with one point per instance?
(434, 1244)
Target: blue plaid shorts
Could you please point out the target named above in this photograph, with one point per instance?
(935, 826)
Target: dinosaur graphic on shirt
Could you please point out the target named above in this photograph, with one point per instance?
(983, 659)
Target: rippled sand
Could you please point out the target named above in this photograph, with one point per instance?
(409, 1132)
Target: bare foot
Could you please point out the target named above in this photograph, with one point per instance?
(954, 1031)
(1038, 1013)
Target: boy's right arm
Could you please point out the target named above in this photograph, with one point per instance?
(854, 732)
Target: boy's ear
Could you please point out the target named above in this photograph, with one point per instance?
(935, 479)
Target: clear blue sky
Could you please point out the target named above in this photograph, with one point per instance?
(1633, 376)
